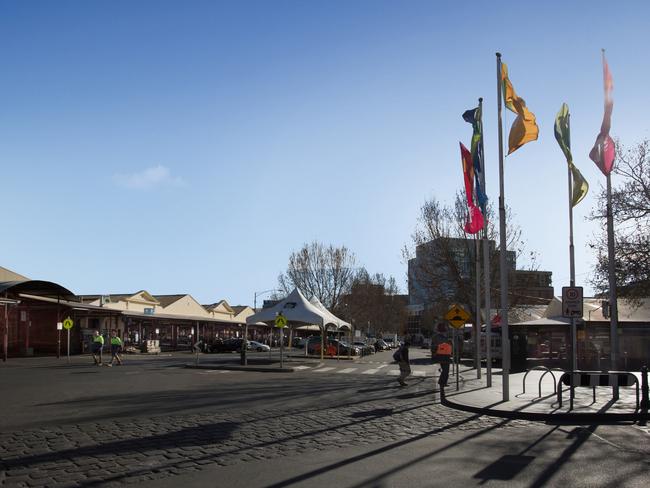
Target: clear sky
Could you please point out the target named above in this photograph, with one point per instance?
(191, 146)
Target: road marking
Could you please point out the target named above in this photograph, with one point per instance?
(347, 370)
(302, 367)
(418, 373)
(382, 366)
(322, 370)
(370, 371)
(393, 372)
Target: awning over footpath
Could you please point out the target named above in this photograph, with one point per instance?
(127, 313)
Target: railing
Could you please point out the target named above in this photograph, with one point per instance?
(592, 379)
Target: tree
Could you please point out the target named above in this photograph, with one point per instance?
(441, 257)
(374, 302)
(320, 271)
(631, 214)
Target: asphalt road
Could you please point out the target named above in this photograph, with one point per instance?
(341, 423)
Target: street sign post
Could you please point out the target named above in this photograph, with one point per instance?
(457, 316)
(59, 328)
(281, 323)
(572, 301)
(67, 325)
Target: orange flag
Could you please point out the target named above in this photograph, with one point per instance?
(524, 129)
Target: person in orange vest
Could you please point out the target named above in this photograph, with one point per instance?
(441, 352)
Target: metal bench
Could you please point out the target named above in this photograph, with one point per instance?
(593, 379)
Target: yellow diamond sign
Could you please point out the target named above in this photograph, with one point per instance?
(457, 316)
(280, 320)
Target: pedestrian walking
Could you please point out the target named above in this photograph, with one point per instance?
(402, 358)
(97, 347)
(441, 352)
(116, 349)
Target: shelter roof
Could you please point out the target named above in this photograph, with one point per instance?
(295, 307)
(333, 319)
(36, 287)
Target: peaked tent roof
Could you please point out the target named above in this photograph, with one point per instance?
(333, 318)
(296, 308)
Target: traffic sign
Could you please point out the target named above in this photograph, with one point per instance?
(457, 316)
(68, 324)
(572, 301)
(280, 321)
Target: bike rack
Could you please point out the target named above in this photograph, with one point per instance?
(539, 385)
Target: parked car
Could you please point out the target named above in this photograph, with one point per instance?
(391, 342)
(380, 345)
(332, 347)
(365, 348)
(258, 346)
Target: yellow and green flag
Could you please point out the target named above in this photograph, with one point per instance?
(563, 137)
(524, 129)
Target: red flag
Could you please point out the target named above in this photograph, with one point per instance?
(604, 151)
(474, 221)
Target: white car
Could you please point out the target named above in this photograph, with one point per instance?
(258, 346)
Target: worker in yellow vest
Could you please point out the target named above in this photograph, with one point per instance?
(441, 352)
(116, 349)
(98, 347)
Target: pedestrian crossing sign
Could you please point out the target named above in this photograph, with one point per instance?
(280, 321)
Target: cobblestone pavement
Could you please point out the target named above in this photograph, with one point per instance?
(124, 451)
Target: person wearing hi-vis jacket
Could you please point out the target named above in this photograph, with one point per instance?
(441, 352)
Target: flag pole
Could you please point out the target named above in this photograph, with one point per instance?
(477, 316)
(572, 265)
(611, 262)
(503, 271)
(486, 270)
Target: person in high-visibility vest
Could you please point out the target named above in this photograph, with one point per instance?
(98, 347)
(116, 348)
(441, 352)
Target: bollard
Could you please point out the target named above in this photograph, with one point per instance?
(645, 403)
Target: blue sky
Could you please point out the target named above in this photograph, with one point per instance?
(190, 147)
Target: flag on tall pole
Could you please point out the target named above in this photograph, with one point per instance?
(580, 187)
(474, 117)
(474, 221)
(524, 129)
(604, 151)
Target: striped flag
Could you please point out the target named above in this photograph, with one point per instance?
(474, 221)
(474, 117)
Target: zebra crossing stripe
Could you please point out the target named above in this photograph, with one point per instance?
(322, 370)
(370, 371)
(418, 373)
(382, 366)
(393, 372)
(302, 367)
(347, 370)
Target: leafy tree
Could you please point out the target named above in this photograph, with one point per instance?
(631, 214)
(322, 271)
(445, 265)
(374, 301)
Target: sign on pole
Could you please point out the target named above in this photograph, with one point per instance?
(280, 321)
(67, 325)
(572, 301)
(457, 316)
